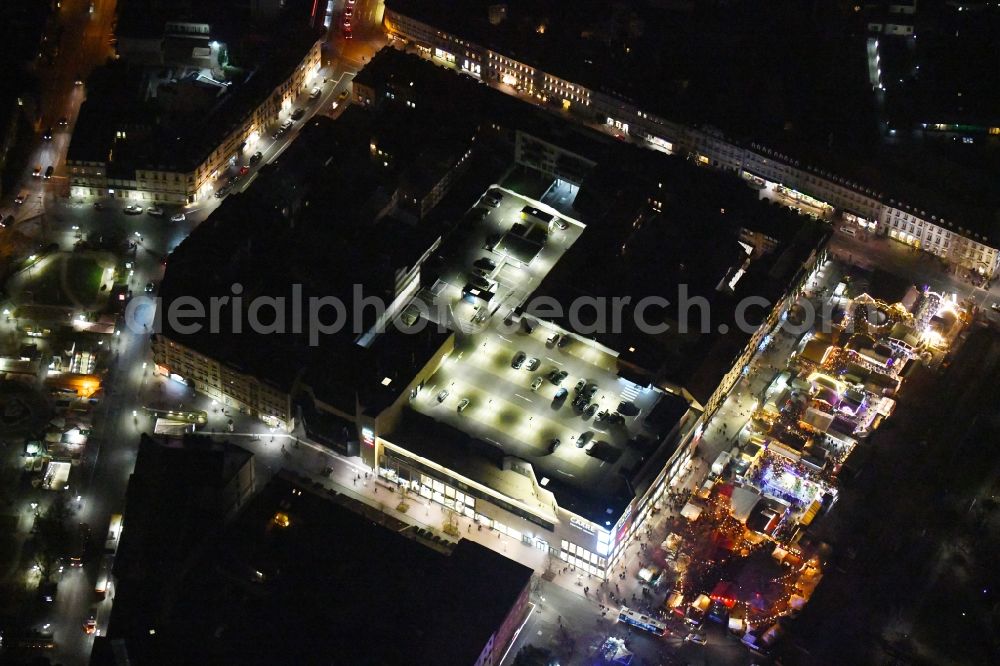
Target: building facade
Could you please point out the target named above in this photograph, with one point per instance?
(222, 382)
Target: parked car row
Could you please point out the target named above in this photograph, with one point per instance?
(558, 340)
(154, 210)
(520, 358)
(463, 404)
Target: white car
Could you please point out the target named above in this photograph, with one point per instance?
(179, 217)
(133, 210)
(155, 211)
(698, 639)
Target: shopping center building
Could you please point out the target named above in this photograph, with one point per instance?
(469, 41)
(443, 414)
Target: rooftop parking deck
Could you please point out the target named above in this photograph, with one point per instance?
(482, 248)
(523, 411)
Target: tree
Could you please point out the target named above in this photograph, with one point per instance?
(530, 655)
(450, 522)
(404, 494)
(52, 536)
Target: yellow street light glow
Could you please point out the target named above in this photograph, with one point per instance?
(281, 519)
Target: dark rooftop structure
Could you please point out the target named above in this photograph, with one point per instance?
(315, 218)
(803, 91)
(659, 228)
(299, 579)
(136, 118)
(946, 77)
(180, 493)
(148, 19)
(656, 54)
(22, 30)
(885, 286)
(409, 77)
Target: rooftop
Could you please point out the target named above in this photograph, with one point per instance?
(315, 218)
(765, 91)
(948, 72)
(756, 84)
(171, 116)
(300, 589)
(181, 480)
(658, 227)
(592, 487)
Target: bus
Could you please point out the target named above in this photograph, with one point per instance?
(81, 542)
(103, 578)
(644, 622)
(114, 534)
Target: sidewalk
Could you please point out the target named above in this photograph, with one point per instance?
(349, 477)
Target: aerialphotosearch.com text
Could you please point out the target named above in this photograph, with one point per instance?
(318, 316)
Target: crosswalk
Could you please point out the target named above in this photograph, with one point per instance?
(630, 392)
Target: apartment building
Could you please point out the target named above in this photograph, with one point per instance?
(116, 155)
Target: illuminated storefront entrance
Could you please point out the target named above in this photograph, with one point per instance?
(432, 489)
